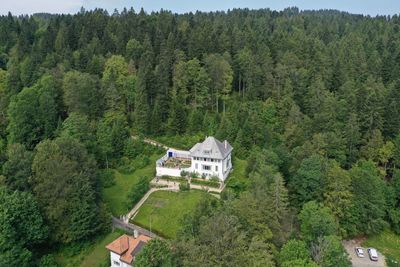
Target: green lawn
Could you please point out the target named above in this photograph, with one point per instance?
(116, 196)
(94, 255)
(388, 243)
(165, 209)
(237, 180)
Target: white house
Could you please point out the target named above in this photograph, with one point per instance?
(124, 249)
(209, 158)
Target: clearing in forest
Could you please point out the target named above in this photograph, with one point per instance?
(163, 211)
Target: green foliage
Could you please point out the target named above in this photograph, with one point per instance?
(64, 178)
(82, 94)
(138, 190)
(22, 227)
(107, 178)
(305, 97)
(329, 251)
(17, 168)
(48, 261)
(112, 133)
(295, 253)
(339, 198)
(206, 183)
(156, 253)
(307, 183)
(386, 243)
(80, 128)
(316, 221)
(184, 186)
(33, 113)
(369, 198)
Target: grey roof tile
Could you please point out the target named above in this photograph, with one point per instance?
(211, 148)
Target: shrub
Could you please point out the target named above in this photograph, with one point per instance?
(184, 186)
(141, 161)
(126, 169)
(194, 175)
(184, 173)
(107, 178)
(214, 178)
(203, 176)
(205, 183)
(138, 190)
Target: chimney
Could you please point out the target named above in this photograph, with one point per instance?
(226, 144)
(135, 233)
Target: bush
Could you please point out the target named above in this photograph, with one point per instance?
(184, 173)
(126, 169)
(206, 183)
(141, 161)
(203, 176)
(125, 166)
(48, 261)
(214, 178)
(184, 186)
(138, 190)
(173, 179)
(194, 175)
(107, 178)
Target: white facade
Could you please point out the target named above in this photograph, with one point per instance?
(208, 159)
(116, 261)
(210, 167)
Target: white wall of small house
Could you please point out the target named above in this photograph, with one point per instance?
(116, 262)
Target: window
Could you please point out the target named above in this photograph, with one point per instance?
(116, 263)
(196, 166)
(212, 160)
(207, 167)
(205, 159)
(216, 168)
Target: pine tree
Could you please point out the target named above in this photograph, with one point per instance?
(142, 110)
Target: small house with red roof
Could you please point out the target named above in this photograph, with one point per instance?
(125, 248)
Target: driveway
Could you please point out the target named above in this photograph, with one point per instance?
(350, 246)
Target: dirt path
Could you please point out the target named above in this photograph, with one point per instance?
(136, 208)
(151, 142)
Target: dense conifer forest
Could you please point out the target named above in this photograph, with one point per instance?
(310, 100)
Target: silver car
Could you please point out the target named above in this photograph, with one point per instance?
(373, 254)
(359, 252)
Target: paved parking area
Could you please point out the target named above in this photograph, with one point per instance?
(362, 262)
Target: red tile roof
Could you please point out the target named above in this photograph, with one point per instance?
(125, 245)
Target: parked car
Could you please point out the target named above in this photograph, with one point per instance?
(373, 254)
(360, 252)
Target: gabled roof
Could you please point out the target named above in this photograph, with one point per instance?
(211, 148)
(127, 246)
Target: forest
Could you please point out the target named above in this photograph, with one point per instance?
(309, 99)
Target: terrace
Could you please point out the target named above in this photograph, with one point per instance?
(173, 162)
(177, 163)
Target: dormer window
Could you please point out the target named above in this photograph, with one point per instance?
(207, 152)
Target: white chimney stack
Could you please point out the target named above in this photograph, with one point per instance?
(226, 144)
(135, 233)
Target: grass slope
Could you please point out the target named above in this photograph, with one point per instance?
(93, 255)
(116, 196)
(165, 210)
(388, 243)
